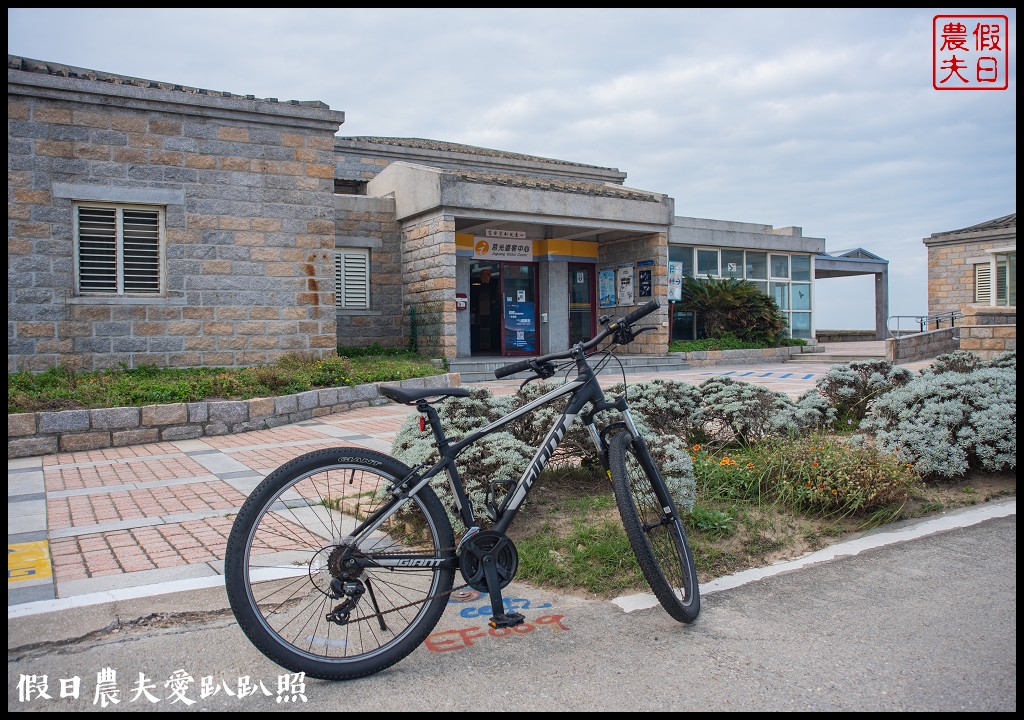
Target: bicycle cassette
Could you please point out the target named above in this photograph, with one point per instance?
(488, 546)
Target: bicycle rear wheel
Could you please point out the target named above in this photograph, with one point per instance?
(291, 574)
(653, 527)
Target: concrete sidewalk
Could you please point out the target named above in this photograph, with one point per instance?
(155, 517)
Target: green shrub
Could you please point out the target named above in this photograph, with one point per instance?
(736, 411)
(827, 475)
(815, 473)
(850, 389)
(948, 423)
(966, 361)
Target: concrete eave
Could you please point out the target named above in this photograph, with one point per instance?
(294, 115)
(747, 236)
(826, 267)
(453, 156)
(419, 190)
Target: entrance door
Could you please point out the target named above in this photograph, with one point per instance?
(519, 290)
(485, 321)
(582, 317)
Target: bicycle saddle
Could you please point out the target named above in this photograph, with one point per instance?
(412, 395)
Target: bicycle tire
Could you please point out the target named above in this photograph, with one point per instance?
(282, 554)
(653, 526)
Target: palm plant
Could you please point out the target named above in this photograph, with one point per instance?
(732, 306)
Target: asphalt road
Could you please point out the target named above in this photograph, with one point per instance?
(924, 623)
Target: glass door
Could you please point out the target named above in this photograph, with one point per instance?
(582, 318)
(485, 317)
(519, 292)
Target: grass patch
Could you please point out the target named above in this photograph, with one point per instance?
(65, 389)
(570, 538)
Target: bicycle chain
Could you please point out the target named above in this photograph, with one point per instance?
(422, 601)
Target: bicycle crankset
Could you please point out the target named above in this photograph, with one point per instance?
(488, 547)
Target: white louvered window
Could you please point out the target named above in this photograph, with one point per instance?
(119, 250)
(352, 278)
(983, 283)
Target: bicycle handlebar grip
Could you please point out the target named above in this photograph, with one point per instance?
(512, 369)
(640, 312)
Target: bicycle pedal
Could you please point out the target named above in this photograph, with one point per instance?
(507, 620)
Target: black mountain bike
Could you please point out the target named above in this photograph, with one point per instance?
(340, 563)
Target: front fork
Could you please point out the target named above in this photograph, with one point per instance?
(599, 438)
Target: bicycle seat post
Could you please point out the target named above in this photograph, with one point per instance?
(435, 423)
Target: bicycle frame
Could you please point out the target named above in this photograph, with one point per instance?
(584, 390)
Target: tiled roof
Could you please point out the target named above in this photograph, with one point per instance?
(43, 67)
(1001, 223)
(571, 186)
(438, 145)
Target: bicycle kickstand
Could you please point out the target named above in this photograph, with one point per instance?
(500, 619)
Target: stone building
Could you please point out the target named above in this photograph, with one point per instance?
(972, 278)
(155, 223)
(973, 265)
(151, 223)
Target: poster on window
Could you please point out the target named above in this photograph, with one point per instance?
(606, 287)
(645, 279)
(520, 327)
(675, 281)
(624, 285)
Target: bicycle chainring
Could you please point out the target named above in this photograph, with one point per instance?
(493, 544)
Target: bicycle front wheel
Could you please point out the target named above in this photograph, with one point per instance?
(653, 527)
(309, 597)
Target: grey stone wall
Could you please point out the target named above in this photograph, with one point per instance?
(630, 251)
(919, 346)
(951, 272)
(429, 280)
(988, 331)
(247, 190)
(706, 358)
(370, 222)
(45, 433)
(838, 336)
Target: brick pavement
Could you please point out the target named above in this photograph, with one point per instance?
(159, 514)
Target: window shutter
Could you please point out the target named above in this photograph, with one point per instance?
(97, 249)
(352, 279)
(141, 233)
(983, 283)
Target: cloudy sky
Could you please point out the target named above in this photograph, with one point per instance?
(823, 119)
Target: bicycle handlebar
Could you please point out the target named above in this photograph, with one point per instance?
(533, 363)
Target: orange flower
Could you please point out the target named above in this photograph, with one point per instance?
(696, 448)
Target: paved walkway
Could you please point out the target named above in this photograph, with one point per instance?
(151, 517)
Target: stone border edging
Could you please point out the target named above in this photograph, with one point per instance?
(46, 433)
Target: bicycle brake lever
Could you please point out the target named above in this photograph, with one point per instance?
(542, 371)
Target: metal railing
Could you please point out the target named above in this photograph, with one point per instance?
(921, 323)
